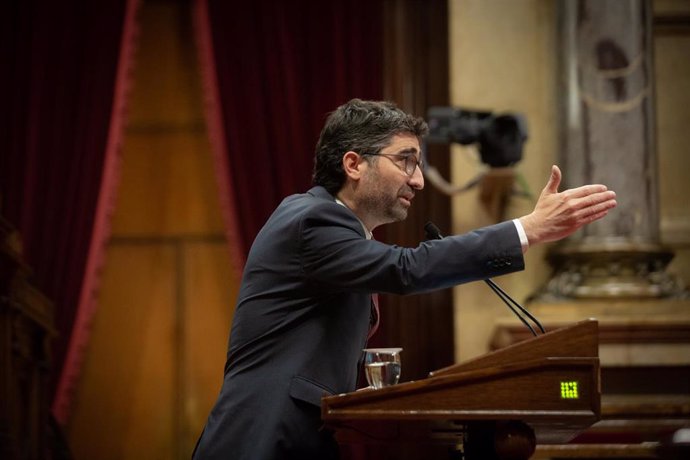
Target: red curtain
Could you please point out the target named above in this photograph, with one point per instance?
(272, 71)
(61, 109)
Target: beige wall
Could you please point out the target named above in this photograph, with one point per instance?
(154, 365)
(503, 57)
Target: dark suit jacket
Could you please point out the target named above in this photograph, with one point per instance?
(303, 315)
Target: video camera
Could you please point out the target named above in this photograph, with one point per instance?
(500, 137)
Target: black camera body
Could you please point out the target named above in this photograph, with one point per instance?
(500, 137)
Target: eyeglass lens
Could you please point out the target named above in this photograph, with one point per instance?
(411, 164)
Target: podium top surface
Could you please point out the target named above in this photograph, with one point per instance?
(579, 340)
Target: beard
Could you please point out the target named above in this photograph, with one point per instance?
(387, 209)
(384, 205)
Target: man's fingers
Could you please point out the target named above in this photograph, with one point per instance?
(594, 200)
(554, 180)
(585, 190)
(592, 217)
(598, 207)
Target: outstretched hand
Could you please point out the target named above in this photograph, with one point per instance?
(559, 214)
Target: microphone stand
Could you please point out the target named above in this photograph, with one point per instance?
(432, 232)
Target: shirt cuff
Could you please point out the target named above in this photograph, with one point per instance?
(524, 242)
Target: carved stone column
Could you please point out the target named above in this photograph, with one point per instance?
(608, 136)
(615, 269)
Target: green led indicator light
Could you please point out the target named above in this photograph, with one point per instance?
(569, 390)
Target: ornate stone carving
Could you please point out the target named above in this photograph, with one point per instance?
(612, 270)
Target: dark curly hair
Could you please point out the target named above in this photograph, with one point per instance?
(363, 127)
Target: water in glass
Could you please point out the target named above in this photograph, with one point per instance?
(382, 366)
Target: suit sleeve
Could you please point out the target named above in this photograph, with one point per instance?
(336, 256)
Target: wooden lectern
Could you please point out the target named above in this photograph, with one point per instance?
(543, 390)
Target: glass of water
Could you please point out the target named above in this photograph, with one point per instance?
(382, 366)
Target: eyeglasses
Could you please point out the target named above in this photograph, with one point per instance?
(411, 161)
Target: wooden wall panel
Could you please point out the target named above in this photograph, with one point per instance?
(170, 304)
(209, 299)
(168, 187)
(123, 407)
(167, 84)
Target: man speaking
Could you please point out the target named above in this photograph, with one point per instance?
(304, 310)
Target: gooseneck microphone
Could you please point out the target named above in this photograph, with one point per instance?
(432, 232)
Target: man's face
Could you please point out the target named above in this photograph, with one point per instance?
(387, 189)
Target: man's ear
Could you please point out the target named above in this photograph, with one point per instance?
(352, 165)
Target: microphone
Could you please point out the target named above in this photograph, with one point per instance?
(432, 232)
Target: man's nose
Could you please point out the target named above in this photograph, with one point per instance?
(417, 179)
